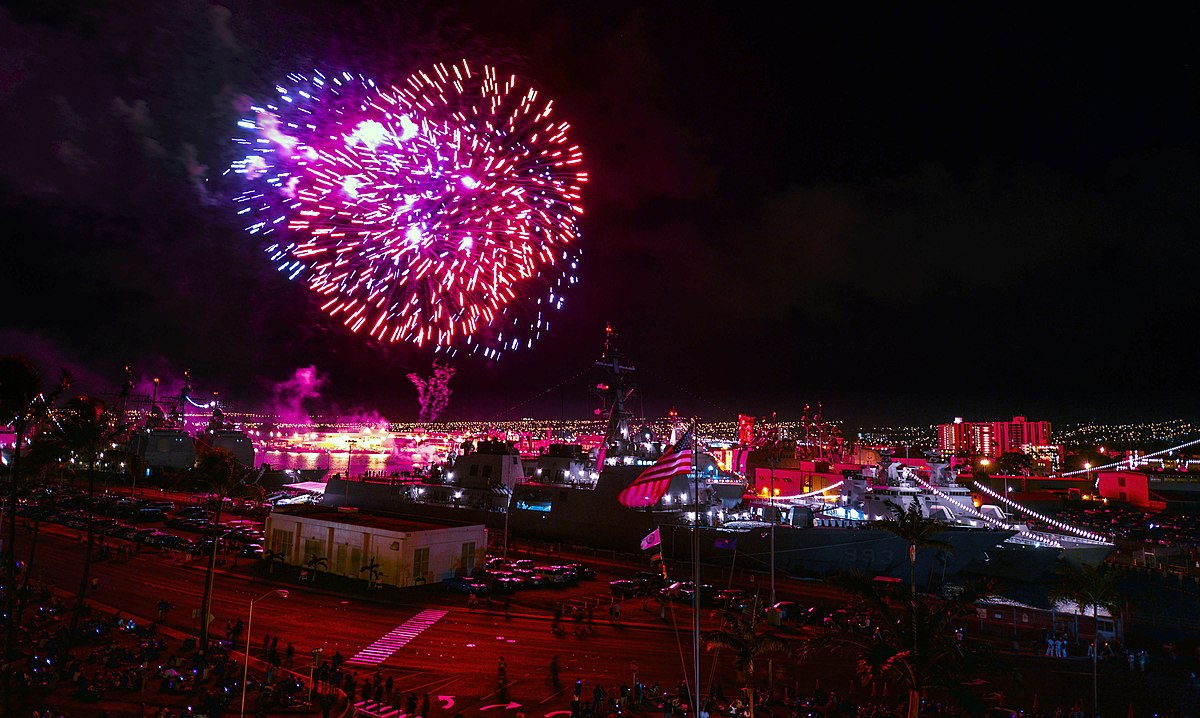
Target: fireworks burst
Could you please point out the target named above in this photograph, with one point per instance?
(433, 392)
(443, 212)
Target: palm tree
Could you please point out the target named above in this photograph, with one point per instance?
(132, 464)
(917, 531)
(373, 572)
(272, 558)
(84, 430)
(316, 563)
(911, 639)
(22, 403)
(742, 635)
(226, 477)
(1089, 586)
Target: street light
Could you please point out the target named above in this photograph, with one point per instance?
(507, 511)
(283, 593)
(772, 460)
(350, 444)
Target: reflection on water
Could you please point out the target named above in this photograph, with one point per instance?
(334, 462)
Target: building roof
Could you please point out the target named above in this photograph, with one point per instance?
(398, 524)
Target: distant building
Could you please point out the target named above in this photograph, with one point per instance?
(965, 438)
(1150, 490)
(1012, 435)
(991, 438)
(406, 552)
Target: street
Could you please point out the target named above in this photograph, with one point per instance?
(453, 659)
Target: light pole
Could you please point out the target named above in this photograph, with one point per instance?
(507, 511)
(350, 444)
(249, 623)
(772, 460)
(312, 671)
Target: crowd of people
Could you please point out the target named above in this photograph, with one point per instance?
(111, 658)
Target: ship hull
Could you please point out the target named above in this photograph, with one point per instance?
(593, 519)
(819, 552)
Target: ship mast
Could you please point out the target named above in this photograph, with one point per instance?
(614, 391)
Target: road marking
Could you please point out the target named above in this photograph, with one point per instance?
(397, 638)
(507, 706)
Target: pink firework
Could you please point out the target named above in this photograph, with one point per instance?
(443, 212)
(433, 393)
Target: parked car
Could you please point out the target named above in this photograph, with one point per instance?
(732, 599)
(252, 550)
(531, 576)
(582, 571)
(684, 591)
(174, 542)
(788, 611)
(626, 588)
(507, 582)
(148, 515)
(557, 575)
(650, 581)
(465, 584)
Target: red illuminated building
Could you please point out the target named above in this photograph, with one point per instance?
(991, 438)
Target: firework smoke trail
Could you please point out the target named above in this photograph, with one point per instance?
(443, 212)
(433, 394)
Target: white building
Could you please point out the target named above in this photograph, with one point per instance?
(406, 552)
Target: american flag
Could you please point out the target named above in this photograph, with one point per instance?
(651, 484)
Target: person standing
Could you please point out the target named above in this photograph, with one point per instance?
(424, 713)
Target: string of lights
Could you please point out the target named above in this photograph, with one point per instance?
(810, 494)
(1129, 463)
(966, 507)
(1041, 517)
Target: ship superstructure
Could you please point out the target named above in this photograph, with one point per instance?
(569, 494)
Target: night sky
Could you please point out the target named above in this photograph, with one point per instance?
(907, 214)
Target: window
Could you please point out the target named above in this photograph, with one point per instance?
(313, 547)
(281, 542)
(420, 563)
(467, 560)
(474, 470)
(1121, 481)
(533, 499)
(487, 470)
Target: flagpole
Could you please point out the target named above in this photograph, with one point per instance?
(696, 573)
